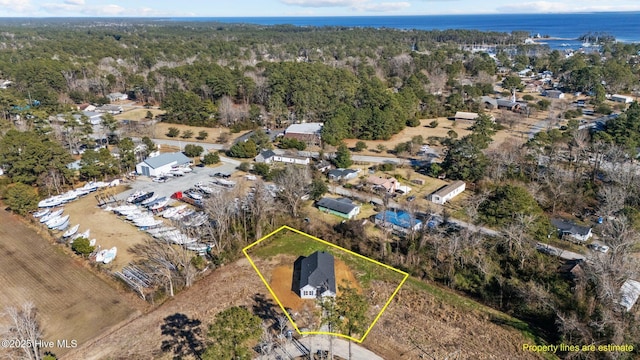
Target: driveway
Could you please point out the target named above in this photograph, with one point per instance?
(313, 343)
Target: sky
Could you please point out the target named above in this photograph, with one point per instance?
(243, 8)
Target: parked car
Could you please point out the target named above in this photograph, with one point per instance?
(161, 179)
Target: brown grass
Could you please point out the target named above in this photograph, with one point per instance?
(72, 302)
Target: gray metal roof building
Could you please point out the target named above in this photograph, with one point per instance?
(317, 270)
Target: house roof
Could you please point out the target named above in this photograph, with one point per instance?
(629, 293)
(167, 158)
(466, 115)
(506, 103)
(343, 205)
(306, 128)
(570, 227)
(449, 188)
(400, 218)
(380, 181)
(266, 154)
(318, 270)
(489, 100)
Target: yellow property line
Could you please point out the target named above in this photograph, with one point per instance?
(406, 275)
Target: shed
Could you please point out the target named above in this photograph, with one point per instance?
(448, 192)
(340, 207)
(629, 293)
(554, 94)
(463, 115)
(161, 164)
(317, 276)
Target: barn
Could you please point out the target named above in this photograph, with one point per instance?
(161, 164)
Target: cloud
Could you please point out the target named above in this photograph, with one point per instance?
(563, 7)
(20, 6)
(382, 7)
(324, 3)
(74, 2)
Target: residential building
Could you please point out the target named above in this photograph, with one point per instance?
(322, 166)
(161, 164)
(317, 276)
(342, 174)
(342, 207)
(448, 192)
(389, 184)
(116, 96)
(489, 102)
(554, 94)
(463, 115)
(268, 157)
(621, 98)
(399, 221)
(111, 109)
(572, 230)
(308, 132)
(508, 104)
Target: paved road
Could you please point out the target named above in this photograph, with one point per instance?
(561, 253)
(313, 343)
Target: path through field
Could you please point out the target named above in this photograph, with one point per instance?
(72, 302)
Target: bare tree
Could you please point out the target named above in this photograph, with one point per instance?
(293, 182)
(218, 208)
(25, 328)
(261, 205)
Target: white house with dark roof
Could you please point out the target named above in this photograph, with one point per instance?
(572, 230)
(117, 96)
(342, 174)
(161, 164)
(268, 157)
(317, 276)
(340, 207)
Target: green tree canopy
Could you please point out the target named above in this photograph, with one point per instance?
(230, 332)
(21, 198)
(506, 202)
(343, 157)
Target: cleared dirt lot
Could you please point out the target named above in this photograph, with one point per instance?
(106, 228)
(72, 302)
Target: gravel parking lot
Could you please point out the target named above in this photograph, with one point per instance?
(179, 183)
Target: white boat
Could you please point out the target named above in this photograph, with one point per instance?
(149, 200)
(160, 204)
(136, 195)
(51, 215)
(159, 230)
(110, 255)
(91, 186)
(125, 208)
(64, 226)
(81, 192)
(197, 247)
(68, 196)
(137, 215)
(183, 214)
(186, 169)
(50, 202)
(100, 255)
(176, 172)
(82, 235)
(194, 195)
(71, 231)
(92, 242)
(150, 223)
(172, 211)
(200, 186)
(56, 221)
(40, 213)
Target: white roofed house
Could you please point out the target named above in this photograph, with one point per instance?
(310, 133)
(117, 96)
(554, 94)
(621, 98)
(448, 192)
(629, 294)
(161, 164)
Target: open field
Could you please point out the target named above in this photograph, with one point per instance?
(161, 129)
(72, 302)
(106, 228)
(436, 319)
(137, 114)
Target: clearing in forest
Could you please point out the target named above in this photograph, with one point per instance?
(286, 246)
